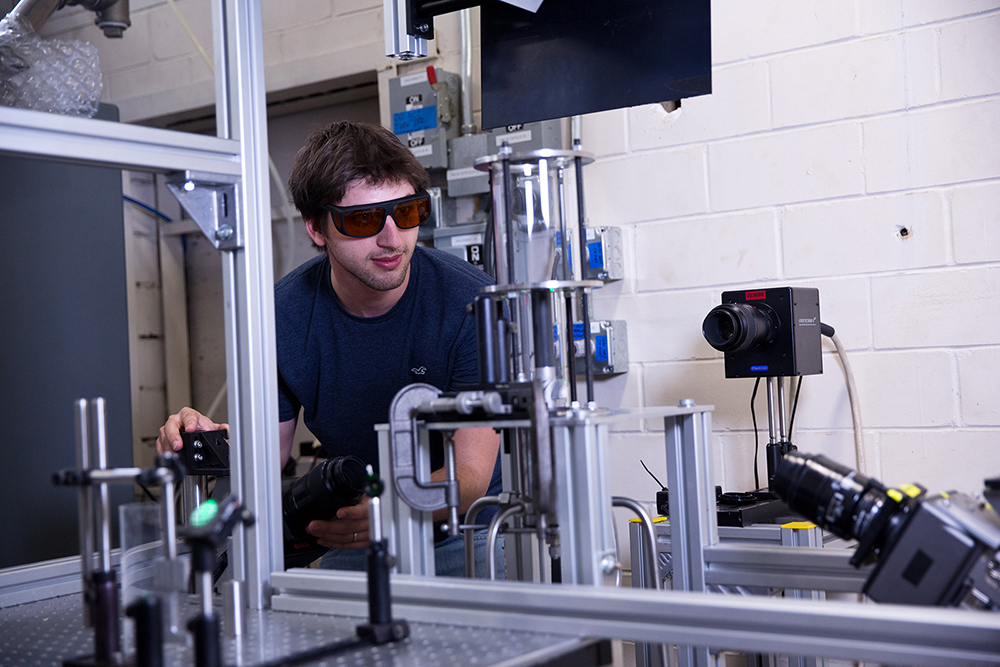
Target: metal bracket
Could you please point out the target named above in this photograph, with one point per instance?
(212, 202)
(403, 440)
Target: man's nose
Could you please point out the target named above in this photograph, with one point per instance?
(389, 236)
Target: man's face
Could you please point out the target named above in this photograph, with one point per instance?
(379, 262)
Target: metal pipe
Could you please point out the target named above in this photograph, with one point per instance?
(34, 13)
(491, 537)
(86, 503)
(100, 422)
(468, 127)
(647, 522)
(469, 530)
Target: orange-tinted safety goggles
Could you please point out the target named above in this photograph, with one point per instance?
(368, 219)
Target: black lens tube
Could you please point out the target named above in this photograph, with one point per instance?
(485, 312)
(541, 328)
(337, 483)
(734, 327)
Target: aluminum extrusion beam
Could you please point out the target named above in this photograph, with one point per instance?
(804, 568)
(43, 580)
(120, 145)
(248, 295)
(894, 634)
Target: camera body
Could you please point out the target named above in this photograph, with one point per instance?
(772, 332)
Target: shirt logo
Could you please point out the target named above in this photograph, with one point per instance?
(418, 371)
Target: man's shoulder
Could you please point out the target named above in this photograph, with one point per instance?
(301, 280)
(455, 273)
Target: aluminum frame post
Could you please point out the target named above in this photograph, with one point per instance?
(248, 292)
(583, 501)
(694, 524)
(410, 532)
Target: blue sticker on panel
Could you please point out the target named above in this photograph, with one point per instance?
(415, 120)
(759, 369)
(595, 254)
(601, 347)
(578, 331)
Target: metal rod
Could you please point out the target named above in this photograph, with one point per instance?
(647, 522)
(468, 127)
(491, 537)
(781, 410)
(584, 297)
(206, 593)
(375, 520)
(570, 348)
(452, 475)
(772, 437)
(98, 408)
(85, 496)
(470, 518)
(34, 12)
(168, 513)
(508, 195)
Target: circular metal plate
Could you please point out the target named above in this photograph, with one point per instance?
(560, 157)
(554, 285)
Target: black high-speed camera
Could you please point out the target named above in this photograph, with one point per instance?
(772, 332)
(929, 550)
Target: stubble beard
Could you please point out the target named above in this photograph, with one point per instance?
(380, 281)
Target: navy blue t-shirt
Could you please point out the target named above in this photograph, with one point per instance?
(344, 370)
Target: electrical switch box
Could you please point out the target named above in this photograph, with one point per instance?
(424, 108)
(608, 347)
(604, 254)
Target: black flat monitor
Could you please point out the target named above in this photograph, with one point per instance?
(582, 56)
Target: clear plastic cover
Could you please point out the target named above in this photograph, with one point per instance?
(57, 76)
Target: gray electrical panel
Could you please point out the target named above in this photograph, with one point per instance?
(425, 114)
(464, 179)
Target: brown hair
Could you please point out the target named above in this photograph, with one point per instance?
(344, 152)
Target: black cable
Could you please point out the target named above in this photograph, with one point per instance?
(756, 442)
(795, 404)
(314, 654)
(651, 474)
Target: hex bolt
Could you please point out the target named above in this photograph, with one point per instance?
(196, 444)
(608, 564)
(224, 233)
(197, 457)
(686, 403)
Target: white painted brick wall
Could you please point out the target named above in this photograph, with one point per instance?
(786, 167)
(832, 126)
(975, 227)
(864, 235)
(980, 386)
(838, 81)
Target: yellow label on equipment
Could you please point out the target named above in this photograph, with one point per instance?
(910, 490)
(656, 519)
(799, 525)
(895, 495)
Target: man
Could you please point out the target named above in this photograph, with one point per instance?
(370, 316)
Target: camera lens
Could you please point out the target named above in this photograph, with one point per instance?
(837, 499)
(734, 327)
(338, 482)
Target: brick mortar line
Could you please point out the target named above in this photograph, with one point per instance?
(788, 129)
(902, 30)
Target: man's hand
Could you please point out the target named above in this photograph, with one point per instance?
(186, 420)
(348, 531)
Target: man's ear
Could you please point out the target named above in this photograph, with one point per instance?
(312, 227)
